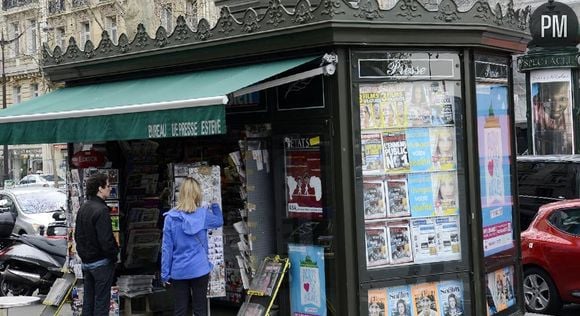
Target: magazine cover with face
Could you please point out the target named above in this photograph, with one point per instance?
(371, 99)
(417, 98)
(376, 244)
(377, 302)
(443, 148)
(451, 297)
(425, 299)
(400, 242)
(400, 301)
(394, 107)
(445, 198)
(374, 198)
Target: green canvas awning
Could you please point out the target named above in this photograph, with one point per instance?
(189, 104)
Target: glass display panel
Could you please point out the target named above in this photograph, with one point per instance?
(411, 206)
(551, 96)
(495, 156)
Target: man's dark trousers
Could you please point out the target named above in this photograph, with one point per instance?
(97, 290)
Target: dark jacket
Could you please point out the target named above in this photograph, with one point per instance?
(94, 233)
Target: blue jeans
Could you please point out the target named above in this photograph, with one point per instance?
(184, 290)
(97, 290)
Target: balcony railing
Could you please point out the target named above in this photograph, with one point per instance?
(56, 6)
(10, 4)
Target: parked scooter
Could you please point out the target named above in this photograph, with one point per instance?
(28, 262)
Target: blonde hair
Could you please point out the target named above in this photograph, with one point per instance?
(190, 196)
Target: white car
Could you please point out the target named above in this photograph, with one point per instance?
(32, 208)
(40, 180)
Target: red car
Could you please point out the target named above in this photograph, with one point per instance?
(551, 257)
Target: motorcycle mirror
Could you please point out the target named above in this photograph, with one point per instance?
(58, 216)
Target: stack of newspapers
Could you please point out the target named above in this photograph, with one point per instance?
(135, 285)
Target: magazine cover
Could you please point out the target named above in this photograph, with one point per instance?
(448, 243)
(371, 98)
(374, 199)
(307, 280)
(397, 196)
(399, 242)
(395, 151)
(376, 244)
(420, 194)
(500, 287)
(419, 148)
(418, 104)
(443, 151)
(425, 300)
(113, 207)
(372, 154)
(445, 196)
(424, 234)
(451, 297)
(394, 107)
(441, 98)
(303, 177)
(377, 302)
(115, 223)
(399, 298)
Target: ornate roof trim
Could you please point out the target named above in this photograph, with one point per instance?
(278, 17)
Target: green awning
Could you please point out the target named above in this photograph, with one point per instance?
(189, 104)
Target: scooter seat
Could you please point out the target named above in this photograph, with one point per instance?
(53, 246)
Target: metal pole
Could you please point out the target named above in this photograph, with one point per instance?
(5, 149)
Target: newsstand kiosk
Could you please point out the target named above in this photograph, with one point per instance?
(374, 142)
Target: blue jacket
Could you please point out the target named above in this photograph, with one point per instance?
(185, 250)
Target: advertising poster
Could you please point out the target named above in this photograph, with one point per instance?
(500, 290)
(303, 177)
(307, 282)
(425, 299)
(494, 163)
(451, 298)
(399, 298)
(421, 194)
(552, 104)
(377, 302)
(419, 149)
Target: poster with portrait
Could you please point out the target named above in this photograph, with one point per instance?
(443, 151)
(494, 132)
(307, 280)
(419, 149)
(451, 298)
(500, 290)
(421, 194)
(425, 241)
(395, 151)
(377, 303)
(445, 198)
(399, 301)
(303, 177)
(399, 242)
(552, 130)
(372, 154)
(397, 194)
(425, 299)
(374, 198)
(371, 99)
(376, 247)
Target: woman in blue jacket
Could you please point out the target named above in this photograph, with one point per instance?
(184, 261)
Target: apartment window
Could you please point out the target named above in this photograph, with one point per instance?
(191, 13)
(34, 90)
(14, 33)
(167, 17)
(60, 37)
(85, 33)
(32, 37)
(16, 97)
(112, 28)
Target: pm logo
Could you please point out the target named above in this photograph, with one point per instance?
(558, 24)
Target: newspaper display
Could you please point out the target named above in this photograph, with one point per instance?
(374, 199)
(395, 151)
(399, 243)
(397, 193)
(376, 246)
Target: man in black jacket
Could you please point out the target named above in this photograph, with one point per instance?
(96, 246)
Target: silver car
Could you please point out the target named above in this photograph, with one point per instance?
(32, 207)
(41, 180)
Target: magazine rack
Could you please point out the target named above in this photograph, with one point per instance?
(264, 287)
